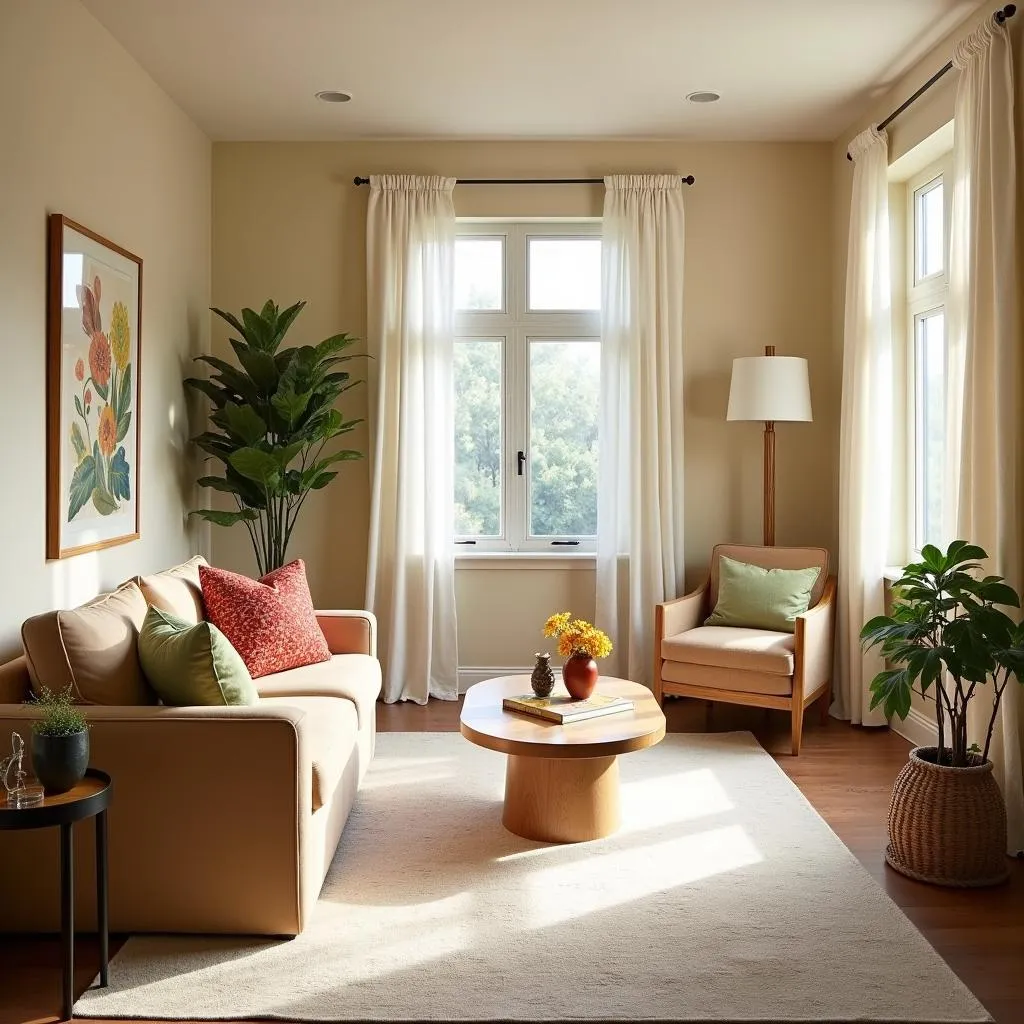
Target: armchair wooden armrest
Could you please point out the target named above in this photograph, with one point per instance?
(814, 642)
(677, 616)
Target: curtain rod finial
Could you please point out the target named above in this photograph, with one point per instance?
(1007, 12)
(360, 181)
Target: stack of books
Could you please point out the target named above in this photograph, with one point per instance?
(561, 708)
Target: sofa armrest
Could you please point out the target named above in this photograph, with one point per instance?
(349, 632)
(686, 612)
(814, 640)
(207, 818)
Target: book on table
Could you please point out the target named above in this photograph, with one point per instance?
(561, 708)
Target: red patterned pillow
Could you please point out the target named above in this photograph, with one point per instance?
(270, 622)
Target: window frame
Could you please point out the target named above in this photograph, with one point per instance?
(924, 297)
(517, 326)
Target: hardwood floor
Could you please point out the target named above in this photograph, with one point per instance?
(845, 772)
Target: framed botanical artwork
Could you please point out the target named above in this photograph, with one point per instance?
(94, 310)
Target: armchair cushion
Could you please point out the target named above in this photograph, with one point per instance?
(716, 678)
(731, 647)
(761, 598)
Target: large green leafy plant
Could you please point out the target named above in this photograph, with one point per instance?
(274, 418)
(947, 631)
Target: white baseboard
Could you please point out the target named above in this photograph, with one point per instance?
(918, 728)
(470, 674)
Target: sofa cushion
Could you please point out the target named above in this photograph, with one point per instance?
(176, 590)
(761, 598)
(191, 663)
(329, 728)
(356, 677)
(93, 649)
(270, 622)
(732, 647)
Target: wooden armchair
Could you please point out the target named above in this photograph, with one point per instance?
(788, 671)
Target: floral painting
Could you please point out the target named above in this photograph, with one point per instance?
(93, 391)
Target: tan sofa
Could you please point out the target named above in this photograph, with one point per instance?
(223, 819)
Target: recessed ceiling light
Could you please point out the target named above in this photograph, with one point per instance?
(703, 97)
(333, 96)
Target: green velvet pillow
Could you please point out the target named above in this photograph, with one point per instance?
(761, 598)
(192, 663)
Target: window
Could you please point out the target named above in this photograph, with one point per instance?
(527, 379)
(928, 204)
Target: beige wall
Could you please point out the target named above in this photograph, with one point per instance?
(289, 224)
(87, 133)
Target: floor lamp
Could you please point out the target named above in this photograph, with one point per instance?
(773, 389)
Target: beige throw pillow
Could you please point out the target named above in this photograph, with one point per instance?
(93, 649)
(176, 590)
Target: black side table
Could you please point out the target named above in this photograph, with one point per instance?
(90, 798)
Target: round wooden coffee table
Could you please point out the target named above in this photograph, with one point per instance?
(561, 781)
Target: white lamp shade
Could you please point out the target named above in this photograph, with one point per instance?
(769, 388)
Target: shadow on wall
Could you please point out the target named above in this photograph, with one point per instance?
(186, 419)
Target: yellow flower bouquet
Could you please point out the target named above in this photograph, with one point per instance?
(580, 643)
(577, 637)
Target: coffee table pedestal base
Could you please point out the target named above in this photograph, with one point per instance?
(561, 799)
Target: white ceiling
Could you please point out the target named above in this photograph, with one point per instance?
(786, 69)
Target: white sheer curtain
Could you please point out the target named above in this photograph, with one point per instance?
(986, 359)
(640, 503)
(866, 427)
(410, 574)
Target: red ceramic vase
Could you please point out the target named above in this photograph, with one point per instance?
(579, 673)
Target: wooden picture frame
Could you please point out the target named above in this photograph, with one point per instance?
(93, 381)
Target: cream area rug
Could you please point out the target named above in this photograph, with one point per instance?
(724, 897)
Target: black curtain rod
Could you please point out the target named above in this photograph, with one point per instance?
(688, 180)
(1007, 12)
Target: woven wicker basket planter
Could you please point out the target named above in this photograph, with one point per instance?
(947, 825)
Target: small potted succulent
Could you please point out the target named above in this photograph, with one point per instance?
(60, 741)
(581, 644)
(949, 635)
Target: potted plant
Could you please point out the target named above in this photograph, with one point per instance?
(947, 634)
(580, 643)
(60, 741)
(274, 415)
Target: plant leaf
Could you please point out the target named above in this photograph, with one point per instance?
(124, 393)
(261, 367)
(256, 465)
(222, 518)
(103, 501)
(83, 480)
(214, 392)
(123, 424)
(257, 331)
(284, 321)
(243, 421)
(78, 442)
(120, 477)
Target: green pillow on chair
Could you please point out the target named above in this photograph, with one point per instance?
(192, 663)
(758, 598)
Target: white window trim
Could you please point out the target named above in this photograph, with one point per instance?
(517, 325)
(924, 296)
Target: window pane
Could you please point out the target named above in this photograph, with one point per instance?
(929, 228)
(565, 273)
(564, 381)
(930, 371)
(479, 273)
(478, 373)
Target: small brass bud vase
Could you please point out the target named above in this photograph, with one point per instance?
(543, 678)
